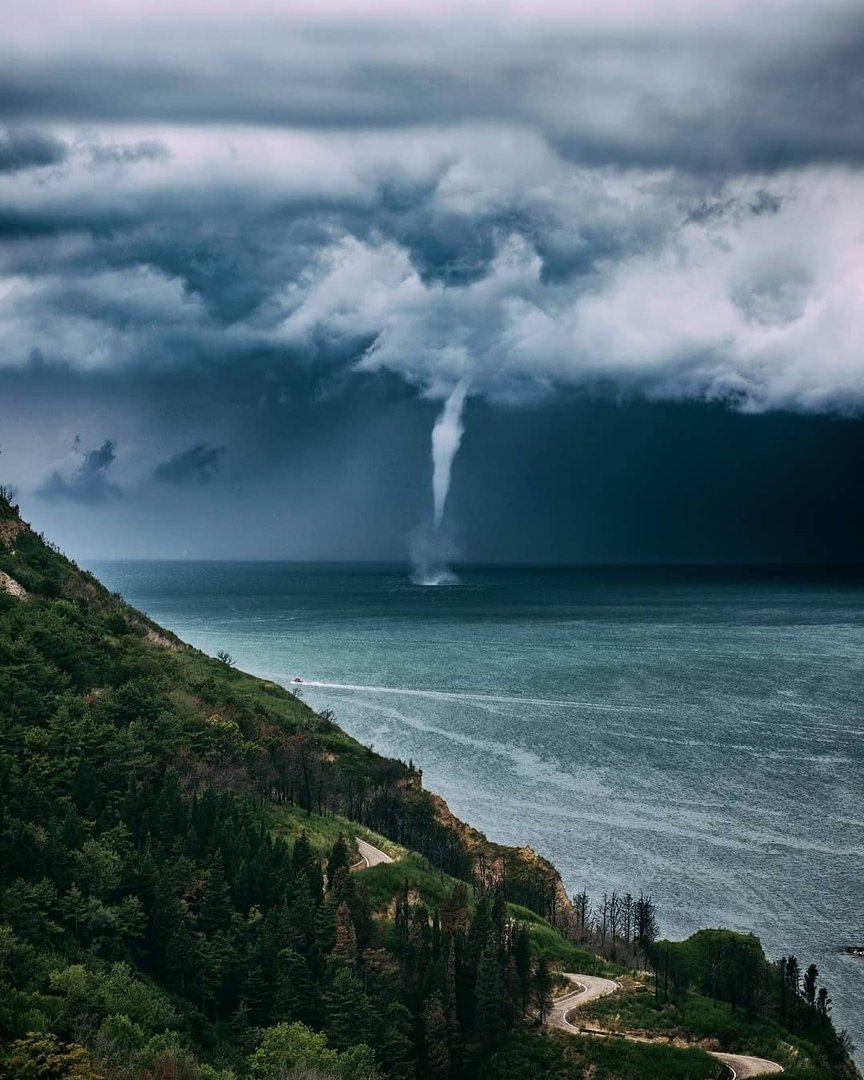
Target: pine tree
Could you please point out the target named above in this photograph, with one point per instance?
(361, 913)
(454, 912)
(793, 975)
(338, 860)
(296, 992)
(349, 1015)
(490, 1005)
(181, 958)
(395, 1044)
(345, 946)
(435, 942)
(325, 925)
(301, 854)
(435, 1040)
(512, 992)
(257, 991)
(417, 951)
(301, 918)
(499, 923)
(543, 989)
(448, 998)
(315, 876)
(645, 925)
(342, 887)
(216, 907)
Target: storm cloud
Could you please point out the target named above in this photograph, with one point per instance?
(23, 149)
(192, 467)
(85, 480)
(735, 85)
(255, 212)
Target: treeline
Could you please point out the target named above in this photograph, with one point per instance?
(619, 926)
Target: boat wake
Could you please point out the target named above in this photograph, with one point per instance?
(450, 695)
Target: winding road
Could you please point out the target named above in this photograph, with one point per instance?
(591, 987)
(371, 855)
(588, 988)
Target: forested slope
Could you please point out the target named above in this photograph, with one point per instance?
(175, 893)
(174, 889)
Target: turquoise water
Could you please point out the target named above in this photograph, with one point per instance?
(697, 735)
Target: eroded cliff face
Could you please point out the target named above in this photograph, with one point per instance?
(524, 874)
(10, 585)
(11, 525)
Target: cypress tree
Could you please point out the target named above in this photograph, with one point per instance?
(522, 961)
(810, 977)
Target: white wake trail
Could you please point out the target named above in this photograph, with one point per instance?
(503, 699)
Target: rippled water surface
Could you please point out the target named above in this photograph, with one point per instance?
(696, 734)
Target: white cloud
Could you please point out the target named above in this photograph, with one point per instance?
(765, 309)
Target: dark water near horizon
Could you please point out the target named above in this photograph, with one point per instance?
(695, 733)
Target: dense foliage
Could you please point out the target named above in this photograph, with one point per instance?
(154, 922)
(177, 900)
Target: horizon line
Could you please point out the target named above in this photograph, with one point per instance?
(481, 563)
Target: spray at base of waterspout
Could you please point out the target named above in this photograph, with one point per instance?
(431, 553)
(434, 575)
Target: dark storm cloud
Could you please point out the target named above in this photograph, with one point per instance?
(26, 149)
(457, 266)
(261, 211)
(766, 90)
(88, 482)
(194, 467)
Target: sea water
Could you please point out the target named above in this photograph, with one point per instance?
(694, 734)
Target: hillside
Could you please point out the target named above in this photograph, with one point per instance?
(176, 898)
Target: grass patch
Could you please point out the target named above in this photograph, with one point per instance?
(699, 1018)
(564, 1057)
(323, 830)
(384, 881)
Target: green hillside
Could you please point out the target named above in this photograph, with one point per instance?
(176, 898)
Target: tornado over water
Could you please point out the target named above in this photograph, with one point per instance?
(429, 547)
(446, 438)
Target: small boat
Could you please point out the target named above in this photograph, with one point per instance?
(296, 679)
(855, 950)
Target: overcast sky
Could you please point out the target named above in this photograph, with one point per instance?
(246, 251)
